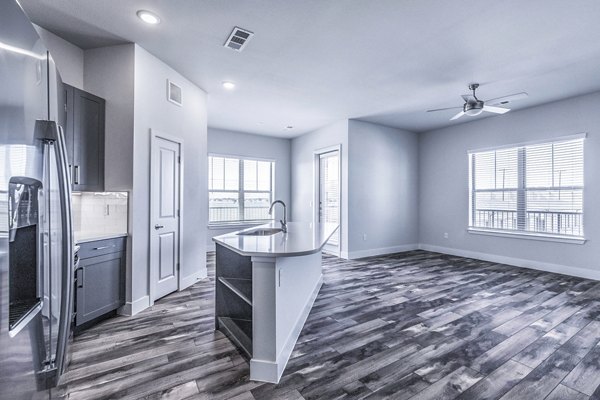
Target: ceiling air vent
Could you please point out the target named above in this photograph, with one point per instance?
(238, 39)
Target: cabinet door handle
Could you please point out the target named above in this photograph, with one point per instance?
(76, 168)
(102, 247)
(79, 277)
(158, 226)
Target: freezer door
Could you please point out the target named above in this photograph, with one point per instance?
(31, 157)
(23, 100)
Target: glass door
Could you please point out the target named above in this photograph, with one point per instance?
(329, 194)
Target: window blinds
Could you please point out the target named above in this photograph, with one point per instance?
(535, 188)
(239, 189)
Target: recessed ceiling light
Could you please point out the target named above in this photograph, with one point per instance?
(228, 85)
(148, 17)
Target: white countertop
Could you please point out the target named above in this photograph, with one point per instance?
(87, 236)
(301, 239)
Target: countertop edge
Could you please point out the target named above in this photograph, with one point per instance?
(273, 255)
(100, 237)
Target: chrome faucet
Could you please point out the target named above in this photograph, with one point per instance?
(284, 221)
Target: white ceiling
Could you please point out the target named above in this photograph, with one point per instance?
(313, 62)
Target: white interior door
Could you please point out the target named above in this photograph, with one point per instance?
(164, 230)
(329, 194)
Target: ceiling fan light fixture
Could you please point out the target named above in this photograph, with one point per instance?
(473, 112)
(474, 108)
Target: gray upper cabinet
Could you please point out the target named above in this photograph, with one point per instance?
(84, 134)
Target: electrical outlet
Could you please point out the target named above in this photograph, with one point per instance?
(364, 236)
(445, 235)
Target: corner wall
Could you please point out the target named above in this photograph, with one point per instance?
(444, 189)
(109, 73)
(379, 185)
(383, 189)
(188, 122)
(303, 153)
(241, 144)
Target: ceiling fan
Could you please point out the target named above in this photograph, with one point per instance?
(474, 106)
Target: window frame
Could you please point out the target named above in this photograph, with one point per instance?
(241, 192)
(522, 191)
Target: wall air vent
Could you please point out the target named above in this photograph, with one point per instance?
(174, 94)
(238, 39)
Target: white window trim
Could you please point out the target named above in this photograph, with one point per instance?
(242, 223)
(558, 139)
(526, 234)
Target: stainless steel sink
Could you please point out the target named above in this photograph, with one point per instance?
(261, 232)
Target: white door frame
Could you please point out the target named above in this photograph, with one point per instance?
(316, 189)
(154, 134)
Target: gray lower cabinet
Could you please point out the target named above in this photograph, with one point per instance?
(100, 279)
(84, 134)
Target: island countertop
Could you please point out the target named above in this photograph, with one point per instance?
(302, 238)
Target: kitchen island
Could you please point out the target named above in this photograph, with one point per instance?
(266, 284)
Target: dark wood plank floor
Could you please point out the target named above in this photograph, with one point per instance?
(415, 325)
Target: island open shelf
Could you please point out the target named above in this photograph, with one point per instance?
(241, 287)
(239, 331)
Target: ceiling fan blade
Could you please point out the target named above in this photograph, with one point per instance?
(496, 110)
(457, 116)
(507, 99)
(443, 109)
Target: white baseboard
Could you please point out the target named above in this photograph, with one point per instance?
(517, 262)
(189, 280)
(381, 251)
(269, 371)
(132, 308)
(264, 371)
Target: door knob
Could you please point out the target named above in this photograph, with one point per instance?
(158, 226)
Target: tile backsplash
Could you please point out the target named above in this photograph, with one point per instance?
(99, 212)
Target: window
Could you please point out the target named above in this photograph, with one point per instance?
(535, 189)
(239, 190)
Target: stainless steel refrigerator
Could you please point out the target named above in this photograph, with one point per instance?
(36, 248)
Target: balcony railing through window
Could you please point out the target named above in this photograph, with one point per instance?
(546, 222)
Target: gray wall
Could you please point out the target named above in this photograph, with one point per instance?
(383, 189)
(248, 145)
(443, 176)
(303, 148)
(188, 122)
(109, 73)
(67, 56)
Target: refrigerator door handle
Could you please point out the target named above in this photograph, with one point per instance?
(64, 326)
